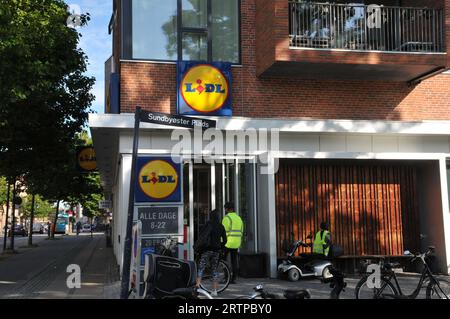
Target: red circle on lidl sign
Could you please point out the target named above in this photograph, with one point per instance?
(204, 88)
(158, 179)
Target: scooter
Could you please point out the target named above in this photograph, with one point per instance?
(308, 265)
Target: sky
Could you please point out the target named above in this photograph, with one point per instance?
(96, 44)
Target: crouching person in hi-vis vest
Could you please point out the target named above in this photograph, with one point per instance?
(322, 241)
(322, 244)
(234, 227)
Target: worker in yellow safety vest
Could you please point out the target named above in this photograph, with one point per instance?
(234, 227)
(322, 241)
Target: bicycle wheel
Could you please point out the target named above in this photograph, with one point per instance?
(223, 280)
(362, 290)
(438, 289)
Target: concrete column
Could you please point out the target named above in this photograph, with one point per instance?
(125, 171)
(445, 210)
(434, 211)
(267, 239)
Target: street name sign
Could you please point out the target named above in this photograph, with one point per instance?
(176, 120)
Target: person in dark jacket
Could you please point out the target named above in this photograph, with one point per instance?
(213, 239)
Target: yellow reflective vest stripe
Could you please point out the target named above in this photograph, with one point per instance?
(234, 228)
(319, 243)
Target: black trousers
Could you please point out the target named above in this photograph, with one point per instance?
(234, 261)
(338, 282)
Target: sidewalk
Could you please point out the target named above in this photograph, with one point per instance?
(317, 289)
(244, 287)
(41, 273)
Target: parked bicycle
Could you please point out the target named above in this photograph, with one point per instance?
(223, 270)
(168, 247)
(390, 288)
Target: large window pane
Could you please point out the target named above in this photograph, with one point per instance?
(195, 47)
(155, 29)
(195, 13)
(225, 30)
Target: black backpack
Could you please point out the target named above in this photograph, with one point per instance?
(204, 239)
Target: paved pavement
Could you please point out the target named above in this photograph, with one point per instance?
(20, 242)
(317, 289)
(41, 272)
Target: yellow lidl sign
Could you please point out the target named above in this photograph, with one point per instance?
(204, 88)
(158, 180)
(86, 159)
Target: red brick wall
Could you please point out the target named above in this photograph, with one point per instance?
(279, 42)
(153, 86)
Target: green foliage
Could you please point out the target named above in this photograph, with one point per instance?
(65, 182)
(42, 208)
(44, 100)
(44, 96)
(3, 190)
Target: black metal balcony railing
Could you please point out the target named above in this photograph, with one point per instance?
(366, 27)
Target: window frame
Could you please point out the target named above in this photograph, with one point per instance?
(127, 34)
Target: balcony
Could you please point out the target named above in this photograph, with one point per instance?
(352, 41)
(365, 27)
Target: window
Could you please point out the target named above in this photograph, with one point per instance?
(170, 30)
(225, 30)
(154, 27)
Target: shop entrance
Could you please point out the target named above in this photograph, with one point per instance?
(209, 186)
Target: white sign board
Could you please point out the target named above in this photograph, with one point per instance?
(104, 204)
(160, 220)
(135, 273)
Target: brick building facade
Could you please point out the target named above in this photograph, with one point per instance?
(353, 120)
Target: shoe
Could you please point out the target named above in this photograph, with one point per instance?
(214, 293)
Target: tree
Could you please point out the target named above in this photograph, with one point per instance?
(42, 208)
(44, 95)
(89, 190)
(3, 199)
(3, 191)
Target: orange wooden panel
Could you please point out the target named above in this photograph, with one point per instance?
(371, 207)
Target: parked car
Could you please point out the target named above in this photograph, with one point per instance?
(19, 230)
(38, 228)
(86, 228)
(99, 227)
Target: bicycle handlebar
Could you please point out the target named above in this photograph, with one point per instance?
(429, 251)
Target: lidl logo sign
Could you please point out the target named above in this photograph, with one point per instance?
(204, 89)
(158, 180)
(86, 159)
